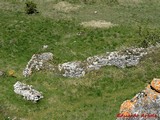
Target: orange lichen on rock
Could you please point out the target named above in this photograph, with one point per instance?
(146, 101)
(126, 114)
(156, 84)
(127, 106)
(151, 94)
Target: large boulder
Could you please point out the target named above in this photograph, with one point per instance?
(27, 92)
(144, 105)
(38, 62)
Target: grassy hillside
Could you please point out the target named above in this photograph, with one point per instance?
(99, 94)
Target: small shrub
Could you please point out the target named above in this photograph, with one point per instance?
(31, 7)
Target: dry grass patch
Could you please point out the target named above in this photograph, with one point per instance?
(7, 6)
(66, 7)
(130, 1)
(98, 24)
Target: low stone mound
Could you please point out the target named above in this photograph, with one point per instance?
(144, 106)
(27, 92)
(38, 62)
(121, 59)
(65, 7)
(98, 24)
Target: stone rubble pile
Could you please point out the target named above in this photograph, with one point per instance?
(144, 106)
(121, 59)
(72, 69)
(38, 62)
(27, 92)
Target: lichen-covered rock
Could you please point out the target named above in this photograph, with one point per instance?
(27, 92)
(146, 104)
(72, 69)
(155, 84)
(38, 62)
(121, 59)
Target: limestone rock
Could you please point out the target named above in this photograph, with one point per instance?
(72, 69)
(38, 62)
(144, 103)
(27, 92)
(121, 59)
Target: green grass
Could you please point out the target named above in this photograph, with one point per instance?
(99, 94)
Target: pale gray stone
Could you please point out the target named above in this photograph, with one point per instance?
(27, 92)
(38, 62)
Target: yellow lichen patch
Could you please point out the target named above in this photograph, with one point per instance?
(11, 72)
(98, 24)
(65, 7)
(156, 84)
(127, 106)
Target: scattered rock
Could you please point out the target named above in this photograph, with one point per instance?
(27, 92)
(45, 47)
(72, 69)
(38, 62)
(146, 103)
(95, 12)
(98, 24)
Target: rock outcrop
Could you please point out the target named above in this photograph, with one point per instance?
(144, 106)
(38, 62)
(27, 92)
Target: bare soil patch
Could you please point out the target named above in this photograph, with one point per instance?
(98, 24)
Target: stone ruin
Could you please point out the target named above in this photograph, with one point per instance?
(38, 62)
(144, 105)
(27, 92)
(121, 59)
